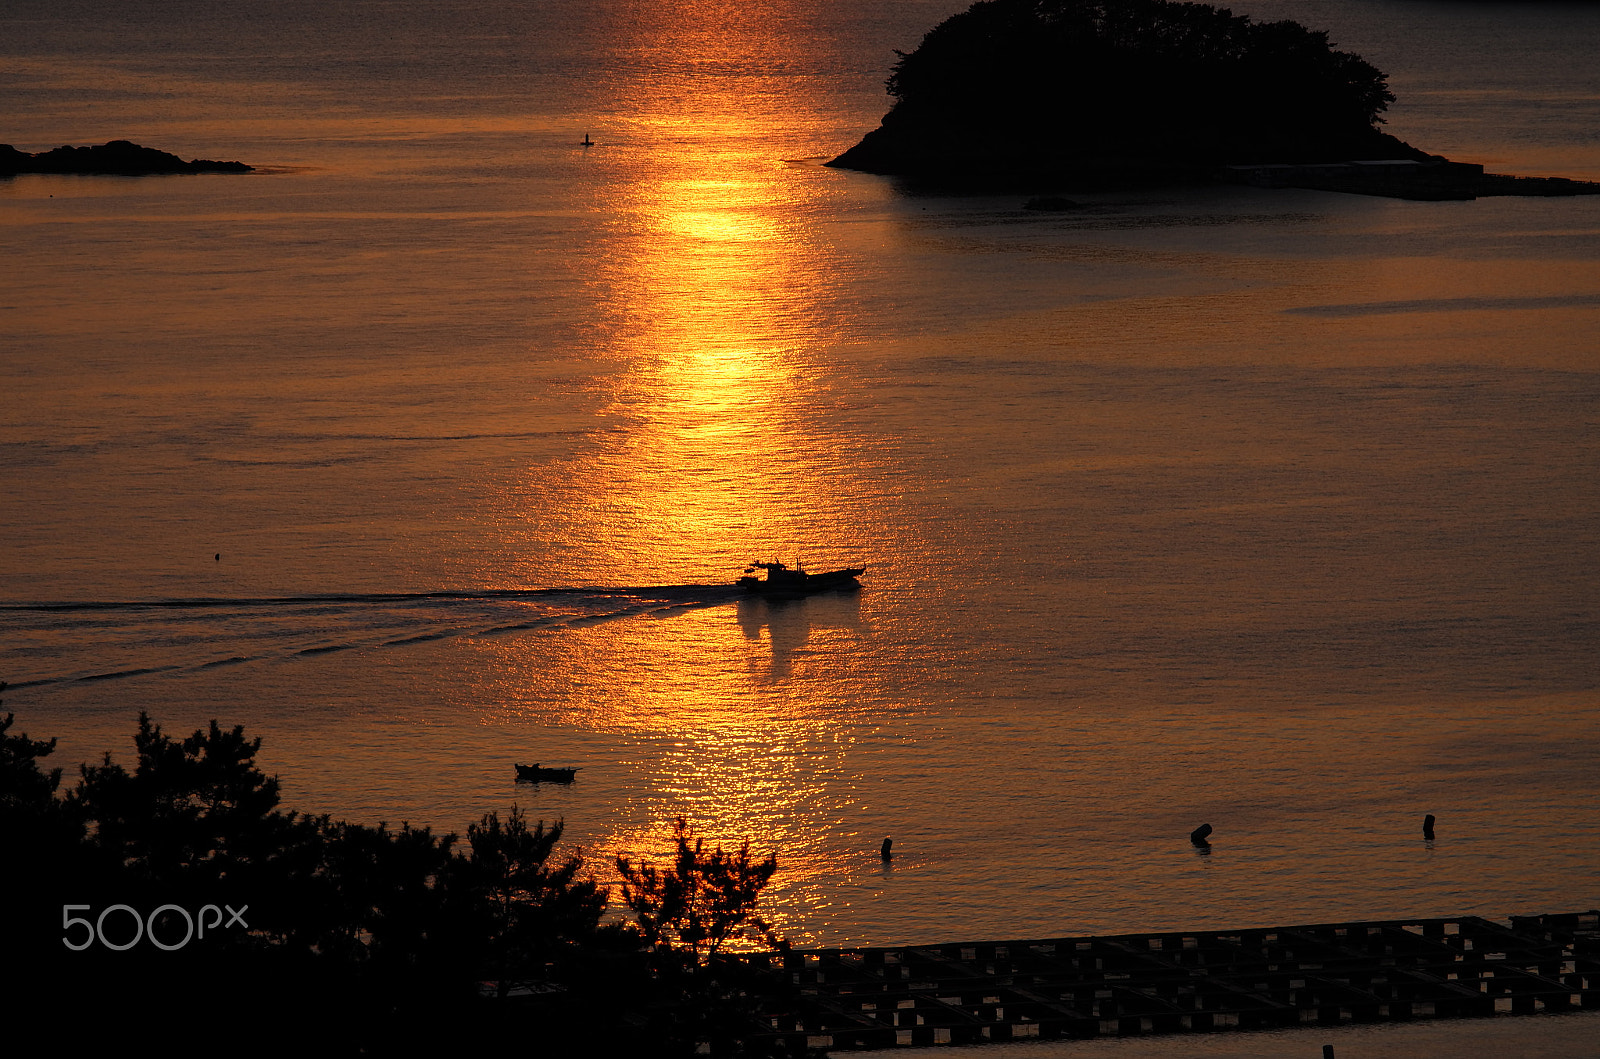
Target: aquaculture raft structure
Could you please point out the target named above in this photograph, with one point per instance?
(1132, 984)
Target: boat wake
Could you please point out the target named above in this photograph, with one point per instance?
(72, 642)
(711, 593)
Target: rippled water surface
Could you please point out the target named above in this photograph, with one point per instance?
(1273, 510)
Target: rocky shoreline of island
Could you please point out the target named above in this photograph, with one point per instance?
(116, 158)
(1434, 179)
(1414, 176)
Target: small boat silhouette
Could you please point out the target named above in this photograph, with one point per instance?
(536, 774)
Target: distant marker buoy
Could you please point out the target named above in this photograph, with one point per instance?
(884, 852)
(1199, 835)
(219, 557)
(1327, 1051)
(1427, 827)
(586, 141)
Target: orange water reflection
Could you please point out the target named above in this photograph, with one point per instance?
(741, 718)
(714, 304)
(715, 458)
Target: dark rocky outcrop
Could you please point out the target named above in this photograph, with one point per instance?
(1051, 204)
(1044, 95)
(118, 158)
(1111, 92)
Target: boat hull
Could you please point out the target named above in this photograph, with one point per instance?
(781, 583)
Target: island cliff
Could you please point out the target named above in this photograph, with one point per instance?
(117, 158)
(1084, 94)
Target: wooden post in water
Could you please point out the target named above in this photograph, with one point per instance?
(1427, 827)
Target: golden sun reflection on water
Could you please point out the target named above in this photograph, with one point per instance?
(713, 305)
(729, 716)
(714, 302)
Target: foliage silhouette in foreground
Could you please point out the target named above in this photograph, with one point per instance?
(360, 940)
(198, 805)
(688, 910)
(534, 908)
(700, 901)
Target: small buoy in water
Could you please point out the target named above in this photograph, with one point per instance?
(586, 141)
(1199, 835)
(884, 852)
(1427, 826)
(1327, 1051)
(219, 557)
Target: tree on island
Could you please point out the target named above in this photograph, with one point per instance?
(1041, 91)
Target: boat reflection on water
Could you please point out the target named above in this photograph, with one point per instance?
(765, 600)
(790, 624)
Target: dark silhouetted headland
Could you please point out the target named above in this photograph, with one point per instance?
(117, 158)
(1101, 94)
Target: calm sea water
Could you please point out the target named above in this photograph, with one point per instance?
(1273, 510)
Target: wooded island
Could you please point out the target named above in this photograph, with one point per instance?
(1101, 94)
